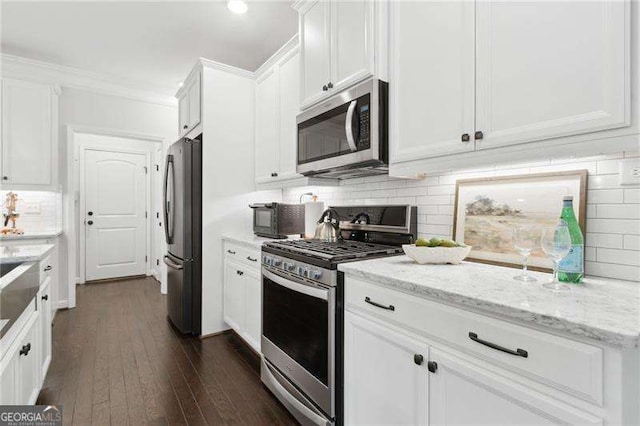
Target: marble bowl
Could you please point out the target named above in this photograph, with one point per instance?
(436, 255)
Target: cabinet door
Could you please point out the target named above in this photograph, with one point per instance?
(542, 73)
(383, 384)
(183, 112)
(234, 299)
(8, 379)
(253, 308)
(44, 307)
(352, 42)
(267, 140)
(315, 51)
(461, 393)
(27, 133)
(289, 109)
(194, 102)
(29, 367)
(432, 70)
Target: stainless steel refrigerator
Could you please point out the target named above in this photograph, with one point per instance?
(183, 233)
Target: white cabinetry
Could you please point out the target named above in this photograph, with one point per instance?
(20, 373)
(243, 292)
(341, 43)
(267, 127)
(472, 76)
(29, 135)
(385, 379)
(414, 361)
(189, 101)
(43, 302)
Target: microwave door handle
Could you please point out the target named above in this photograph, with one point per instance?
(348, 126)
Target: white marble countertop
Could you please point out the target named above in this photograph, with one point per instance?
(249, 240)
(601, 309)
(32, 235)
(29, 253)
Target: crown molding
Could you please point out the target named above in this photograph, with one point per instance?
(74, 78)
(289, 48)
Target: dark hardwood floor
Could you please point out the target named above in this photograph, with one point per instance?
(117, 360)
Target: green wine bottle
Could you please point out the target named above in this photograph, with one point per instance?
(571, 268)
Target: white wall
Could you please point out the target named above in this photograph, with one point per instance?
(227, 178)
(613, 212)
(107, 112)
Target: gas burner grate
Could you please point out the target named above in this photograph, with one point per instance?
(338, 251)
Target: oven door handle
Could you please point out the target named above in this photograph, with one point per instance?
(289, 283)
(348, 126)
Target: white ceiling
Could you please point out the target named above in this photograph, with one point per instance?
(152, 42)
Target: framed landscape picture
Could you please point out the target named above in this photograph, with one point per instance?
(487, 210)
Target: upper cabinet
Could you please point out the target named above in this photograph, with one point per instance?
(189, 101)
(29, 135)
(472, 76)
(341, 43)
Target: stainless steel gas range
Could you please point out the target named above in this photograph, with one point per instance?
(302, 307)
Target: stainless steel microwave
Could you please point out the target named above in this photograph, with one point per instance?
(347, 135)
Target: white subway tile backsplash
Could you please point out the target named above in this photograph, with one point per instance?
(613, 211)
(631, 242)
(604, 240)
(39, 210)
(623, 257)
(605, 196)
(618, 211)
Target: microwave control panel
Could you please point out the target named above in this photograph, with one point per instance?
(364, 141)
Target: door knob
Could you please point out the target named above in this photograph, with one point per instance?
(90, 213)
(90, 222)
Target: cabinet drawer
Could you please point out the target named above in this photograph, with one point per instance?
(46, 268)
(571, 366)
(242, 254)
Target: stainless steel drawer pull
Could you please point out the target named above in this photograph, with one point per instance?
(48, 268)
(518, 352)
(239, 272)
(25, 349)
(388, 308)
(252, 259)
(231, 252)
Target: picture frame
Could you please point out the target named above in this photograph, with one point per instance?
(487, 210)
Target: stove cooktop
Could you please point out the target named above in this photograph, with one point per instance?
(335, 252)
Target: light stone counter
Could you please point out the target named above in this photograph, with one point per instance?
(601, 309)
(29, 253)
(250, 240)
(35, 235)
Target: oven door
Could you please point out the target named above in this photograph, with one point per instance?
(298, 334)
(342, 132)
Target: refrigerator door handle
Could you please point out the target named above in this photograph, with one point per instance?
(168, 221)
(167, 260)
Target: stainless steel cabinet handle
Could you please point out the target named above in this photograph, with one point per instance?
(231, 252)
(325, 88)
(25, 349)
(378, 305)
(89, 222)
(274, 174)
(330, 85)
(5, 177)
(185, 126)
(48, 268)
(251, 259)
(45, 297)
(478, 135)
(239, 272)
(418, 359)
(466, 137)
(518, 352)
(432, 366)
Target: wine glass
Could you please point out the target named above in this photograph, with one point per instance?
(556, 243)
(525, 240)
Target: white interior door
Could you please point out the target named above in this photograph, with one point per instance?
(114, 216)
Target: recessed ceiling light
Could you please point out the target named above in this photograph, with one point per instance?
(237, 6)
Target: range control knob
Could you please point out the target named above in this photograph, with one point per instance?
(266, 260)
(302, 271)
(316, 274)
(289, 266)
(277, 262)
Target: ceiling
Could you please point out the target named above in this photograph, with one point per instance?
(155, 42)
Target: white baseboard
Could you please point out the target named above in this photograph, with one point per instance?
(60, 304)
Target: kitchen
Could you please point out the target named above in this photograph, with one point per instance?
(151, 173)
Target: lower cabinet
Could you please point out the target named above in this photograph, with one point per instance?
(44, 299)
(20, 372)
(385, 375)
(243, 301)
(411, 361)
